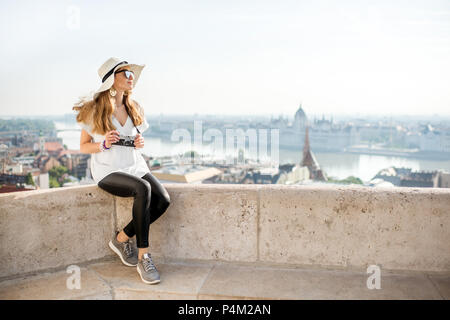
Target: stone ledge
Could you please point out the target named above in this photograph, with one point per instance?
(341, 227)
(193, 280)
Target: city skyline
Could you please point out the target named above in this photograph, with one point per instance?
(352, 57)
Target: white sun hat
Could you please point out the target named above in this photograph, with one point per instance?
(106, 72)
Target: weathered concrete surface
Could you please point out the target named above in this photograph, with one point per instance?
(52, 228)
(222, 280)
(344, 227)
(442, 284)
(52, 285)
(216, 222)
(397, 228)
(233, 282)
(182, 281)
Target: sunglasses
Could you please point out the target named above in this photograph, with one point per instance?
(128, 73)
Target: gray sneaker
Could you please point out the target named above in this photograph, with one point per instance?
(127, 251)
(147, 270)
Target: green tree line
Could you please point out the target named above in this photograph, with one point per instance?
(26, 124)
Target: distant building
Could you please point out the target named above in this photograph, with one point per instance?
(309, 161)
(443, 180)
(405, 177)
(434, 140)
(300, 120)
(42, 180)
(294, 175)
(187, 174)
(12, 179)
(377, 182)
(263, 176)
(45, 162)
(325, 135)
(6, 188)
(81, 165)
(308, 170)
(53, 148)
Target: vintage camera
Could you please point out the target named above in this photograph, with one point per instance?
(126, 141)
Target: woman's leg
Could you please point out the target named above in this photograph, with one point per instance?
(126, 185)
(163, 199)
(159, 204)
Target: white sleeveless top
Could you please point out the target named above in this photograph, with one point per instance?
(118, 158)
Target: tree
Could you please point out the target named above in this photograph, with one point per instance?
(57, 176)
(53, 183)
(348, 180)
(29, 180)
(191, 156)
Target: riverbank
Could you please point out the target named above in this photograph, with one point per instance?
(408, 153)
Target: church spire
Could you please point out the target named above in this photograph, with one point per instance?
(308, 159)
(306, 144)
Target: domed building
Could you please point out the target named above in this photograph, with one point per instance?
(325, 135)
(300, 119)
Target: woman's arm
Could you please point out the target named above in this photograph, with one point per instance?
(86, 146)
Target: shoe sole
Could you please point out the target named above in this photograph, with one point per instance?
(146, 281)
(113, 248)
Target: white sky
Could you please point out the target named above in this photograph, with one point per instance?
(232, 57)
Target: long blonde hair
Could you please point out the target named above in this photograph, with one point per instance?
(97, 112)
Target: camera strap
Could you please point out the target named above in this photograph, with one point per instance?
(126, 109)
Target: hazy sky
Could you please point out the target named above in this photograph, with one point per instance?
(231, 57)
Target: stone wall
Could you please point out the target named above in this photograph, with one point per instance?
(348, 227)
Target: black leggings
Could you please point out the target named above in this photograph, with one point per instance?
(151, 200)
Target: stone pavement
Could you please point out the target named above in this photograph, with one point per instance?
(110, 279)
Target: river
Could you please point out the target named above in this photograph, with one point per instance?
(338, 165)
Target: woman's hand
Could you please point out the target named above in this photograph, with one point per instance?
(139, 141)
(111, 137)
